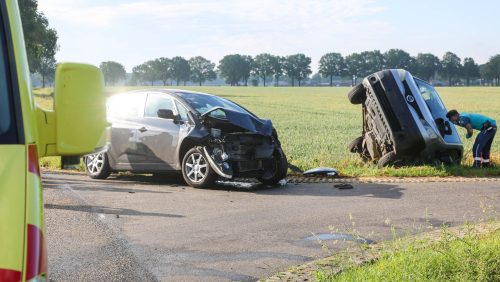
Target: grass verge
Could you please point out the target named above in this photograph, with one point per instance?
(470, 256)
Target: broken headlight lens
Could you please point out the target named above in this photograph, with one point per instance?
(215, 132)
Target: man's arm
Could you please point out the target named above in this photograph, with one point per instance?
(470, 131)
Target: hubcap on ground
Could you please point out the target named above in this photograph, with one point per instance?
(95, 162)
(196, 167)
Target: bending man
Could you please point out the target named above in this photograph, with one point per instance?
(487, 127)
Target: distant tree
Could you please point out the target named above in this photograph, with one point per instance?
(487, 74)
(373, 61)
(263, 66)
(355, 66)
(145, 73)
(113, 72)
(451, 66)
(36, 32)
(277, 70)
(398, 59)
(201, 70)
(246, 68)
(162, 67)
(180, 70)
(426, 66)
(47, 61)
(470, 70)
(235, 68)
(332, 64)
(230, 68)
(297, 67)
(493, 70)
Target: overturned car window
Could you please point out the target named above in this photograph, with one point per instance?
(203, 103)
(432, 99)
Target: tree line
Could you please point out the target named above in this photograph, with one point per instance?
(237, 69)
(40, 39)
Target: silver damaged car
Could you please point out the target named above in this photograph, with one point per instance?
(201, 135)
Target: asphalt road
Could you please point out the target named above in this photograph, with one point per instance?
(145, 229)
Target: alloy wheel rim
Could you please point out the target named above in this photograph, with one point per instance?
(196, 167)
(95, 162)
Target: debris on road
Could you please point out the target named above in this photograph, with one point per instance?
(343, 186)
(322, 171)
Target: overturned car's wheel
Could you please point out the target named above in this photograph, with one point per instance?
(97, 165)
(390, 159)
(357, 95)
(356, 146)
(277, 170)
(196, 170)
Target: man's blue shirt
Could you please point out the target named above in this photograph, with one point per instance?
(477, 121)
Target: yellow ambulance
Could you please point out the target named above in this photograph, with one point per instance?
(75, 126)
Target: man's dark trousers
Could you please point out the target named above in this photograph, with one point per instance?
(482, 146)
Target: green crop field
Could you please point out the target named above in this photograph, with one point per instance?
(316, 124)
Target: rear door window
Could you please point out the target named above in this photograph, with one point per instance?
(126, 106)
(8, 129)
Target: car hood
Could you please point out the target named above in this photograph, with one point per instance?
(245, 121)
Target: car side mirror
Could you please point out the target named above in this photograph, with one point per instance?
(166, 114)
(77, 124)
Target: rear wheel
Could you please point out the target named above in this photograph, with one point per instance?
(357, 95)
(196, 170)
(278, 171)
(97, 166)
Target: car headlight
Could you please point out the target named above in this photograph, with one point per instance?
(428, 128)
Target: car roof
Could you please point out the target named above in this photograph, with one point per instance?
(164, 90)
(172, 92)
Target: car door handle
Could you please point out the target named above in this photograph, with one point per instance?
(143, 129)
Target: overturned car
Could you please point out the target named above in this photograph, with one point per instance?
(203, 136)
(404, 122)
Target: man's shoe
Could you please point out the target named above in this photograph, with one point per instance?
(486, 165)
(477, 164)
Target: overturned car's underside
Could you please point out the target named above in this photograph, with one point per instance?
(404, 122)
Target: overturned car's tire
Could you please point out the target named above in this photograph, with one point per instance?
(279, 169)
(389, 159)
(97, 165)
(357, 95)
(356, 146)
(196, 170)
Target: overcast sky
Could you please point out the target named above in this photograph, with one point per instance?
(133, 31)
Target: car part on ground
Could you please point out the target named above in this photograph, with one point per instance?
(322, 171)
(201, 135)
(404, 122)
(343, 186)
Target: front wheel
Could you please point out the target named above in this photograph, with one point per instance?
(277, 171)
(196, 170)
(390, 159)
(97, 166)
